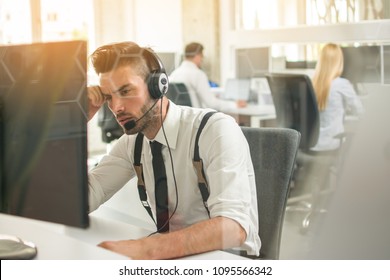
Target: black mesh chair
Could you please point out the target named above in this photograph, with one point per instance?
(111, 130)
(273, 153)
(296, 108)
(178, 94)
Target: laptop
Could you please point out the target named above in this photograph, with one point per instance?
(237, 89)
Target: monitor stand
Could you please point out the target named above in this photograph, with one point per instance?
(14, 248)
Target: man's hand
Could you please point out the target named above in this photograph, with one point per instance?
(241, 103)
(95, 99)
(133, 249)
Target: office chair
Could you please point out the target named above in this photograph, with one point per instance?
(178, 93)
(111, 130)
(273, 153)
(296, 108)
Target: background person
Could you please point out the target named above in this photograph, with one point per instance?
(190, 73)
(335, 97)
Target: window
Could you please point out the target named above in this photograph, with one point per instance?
(66, 20)
(15, 22)
(264, 14)
(26, 21)
(257, 14)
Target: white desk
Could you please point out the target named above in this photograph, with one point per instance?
(255, 112)
(52, 241)
(58, 242)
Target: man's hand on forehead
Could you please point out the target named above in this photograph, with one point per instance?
(95, 96)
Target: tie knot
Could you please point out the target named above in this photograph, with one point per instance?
(156, 147)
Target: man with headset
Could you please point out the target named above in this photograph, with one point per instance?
(191, 74)
(133, 82)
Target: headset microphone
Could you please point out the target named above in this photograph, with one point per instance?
(132, 123)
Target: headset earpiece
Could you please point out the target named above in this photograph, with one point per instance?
(157, 80)
(158, 84)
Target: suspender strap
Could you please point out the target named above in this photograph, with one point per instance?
(198, 164)
(140, 175)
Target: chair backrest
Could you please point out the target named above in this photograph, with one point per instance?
(273, 153)
(296, 105)
(111, 130)
(178, 93)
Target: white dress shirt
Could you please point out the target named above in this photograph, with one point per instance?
(227, 165)
(198, 87)
(342, 99)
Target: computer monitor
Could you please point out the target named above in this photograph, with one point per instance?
(237, 89)
(43, 137)
(169, 60)
(386, 64)
(362, 64)
(252, 62)
(300, 64)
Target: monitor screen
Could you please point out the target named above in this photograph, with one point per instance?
(252, 62)
(300, 64)
(237, 89)
(43, 122)
(386, 64)
(169, 61)
(362, 64)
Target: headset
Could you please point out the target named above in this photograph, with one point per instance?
(157, 80)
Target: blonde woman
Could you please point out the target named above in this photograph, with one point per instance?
(335, 96)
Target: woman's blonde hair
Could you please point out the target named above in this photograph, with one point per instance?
(329, 66)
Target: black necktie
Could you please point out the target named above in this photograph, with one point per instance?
(161, 192)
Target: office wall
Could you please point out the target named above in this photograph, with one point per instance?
(113, 22)
(148, 22)
(158, 24)
(200, 23)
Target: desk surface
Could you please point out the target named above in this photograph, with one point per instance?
(252, 110)
(51, 240)
(256, 113)
(59, 242)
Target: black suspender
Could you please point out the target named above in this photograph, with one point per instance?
(197, 161)
(140, 174)
(198, 164)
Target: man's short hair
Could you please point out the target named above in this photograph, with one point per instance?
(193, 49)
(109, 57)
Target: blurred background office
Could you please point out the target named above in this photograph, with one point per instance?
(242, 39)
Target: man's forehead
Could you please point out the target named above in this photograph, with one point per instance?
(117, 76)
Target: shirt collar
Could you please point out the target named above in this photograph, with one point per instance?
(189, 63)
(171, 126)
